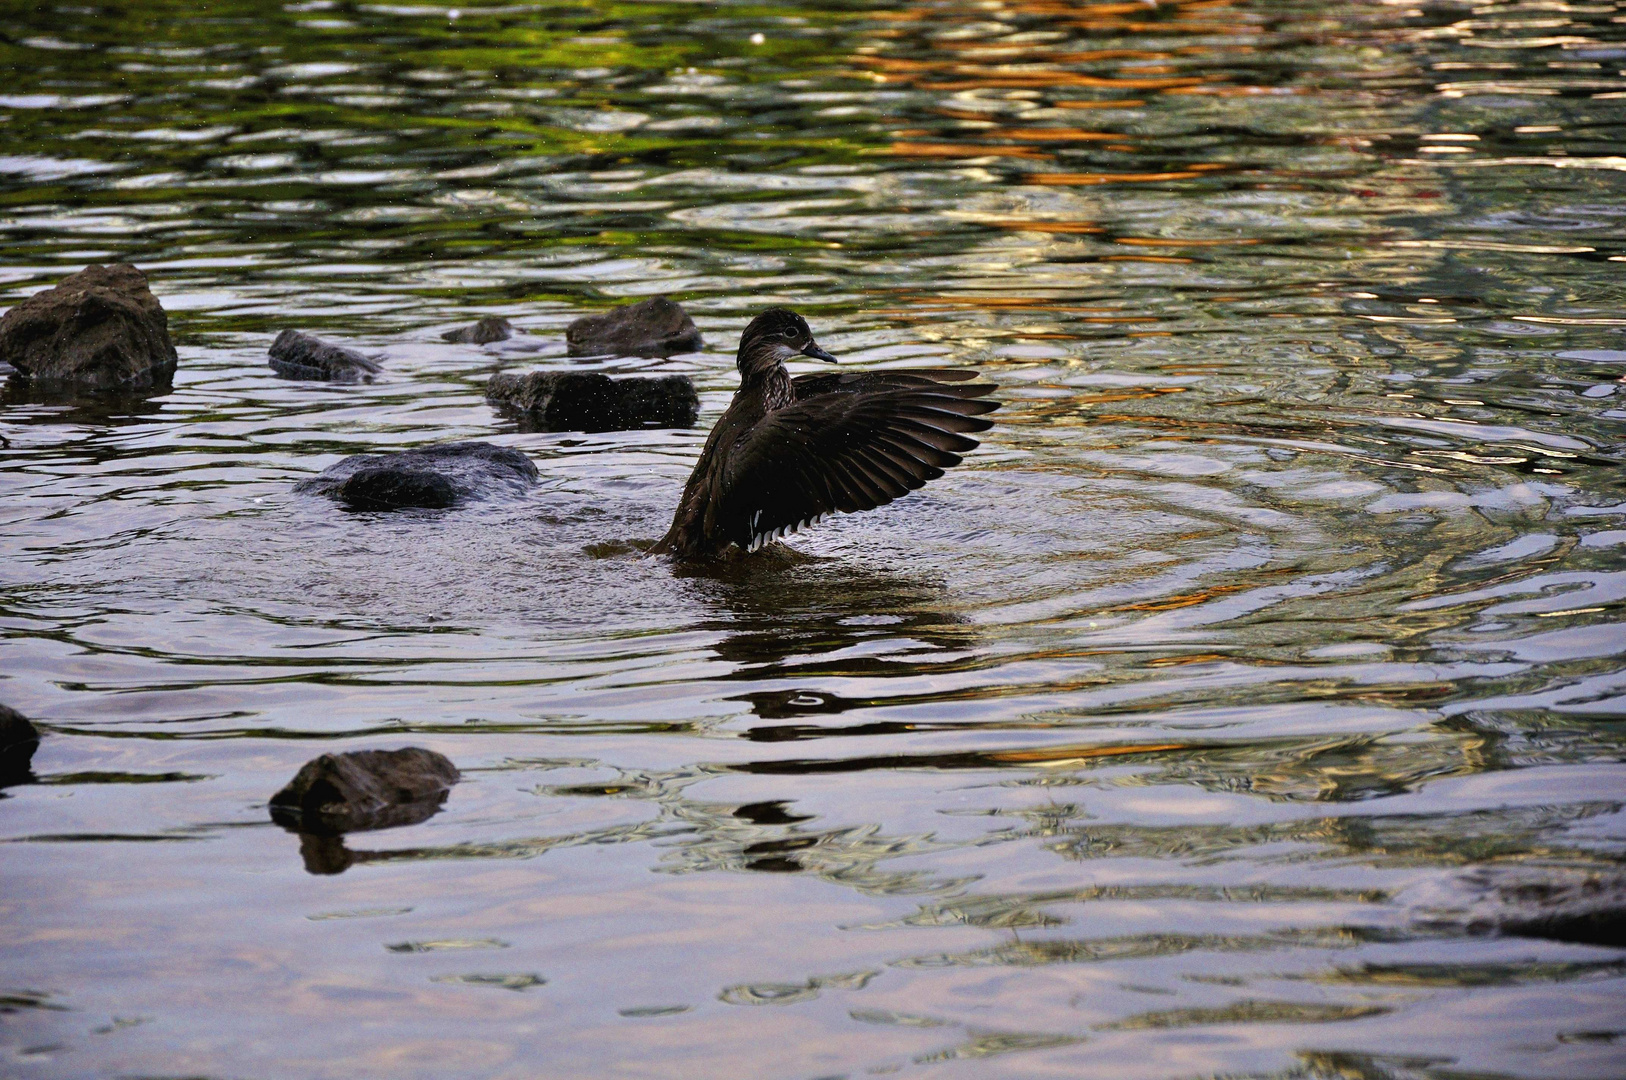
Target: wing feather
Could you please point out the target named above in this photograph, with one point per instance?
(848, 442)
(894, 474)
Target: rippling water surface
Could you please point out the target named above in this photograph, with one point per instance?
(1288, 587)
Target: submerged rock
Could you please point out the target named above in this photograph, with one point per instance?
(18, 741)
(298, 355)
(1586, 905)
(653, 327)
(592, 401)
(433, 477)
(365, 789)
(489, 329)
(101, 328)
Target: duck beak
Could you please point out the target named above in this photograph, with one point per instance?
(817, 353)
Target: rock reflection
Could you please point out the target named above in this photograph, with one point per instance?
(28, 403)
(330, 854)
(325, 852)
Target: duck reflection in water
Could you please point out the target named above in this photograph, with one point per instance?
(792, 626)
(789, 452)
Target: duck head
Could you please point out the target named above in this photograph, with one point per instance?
(775, 336)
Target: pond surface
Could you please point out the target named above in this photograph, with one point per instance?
(1288, 587)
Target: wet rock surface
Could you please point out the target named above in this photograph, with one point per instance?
(593, 401)
(434, 477)
(489, 329)
(653, 327)
(1585, 905)
(18, 741)
(298, 355)
(364, 789)
(101, 328)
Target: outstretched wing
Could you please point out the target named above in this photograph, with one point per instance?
(847, 443)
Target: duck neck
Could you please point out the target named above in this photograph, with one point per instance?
(772, 381)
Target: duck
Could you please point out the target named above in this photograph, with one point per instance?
(790, 452)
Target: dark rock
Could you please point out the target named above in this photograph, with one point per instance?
(489, 329)
(297, 355)
(18, 741)
(653, 327)
(365, 789)
(101, 328)
(433, 477)
(592, 401)
(385, 487)
(1586, 905)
